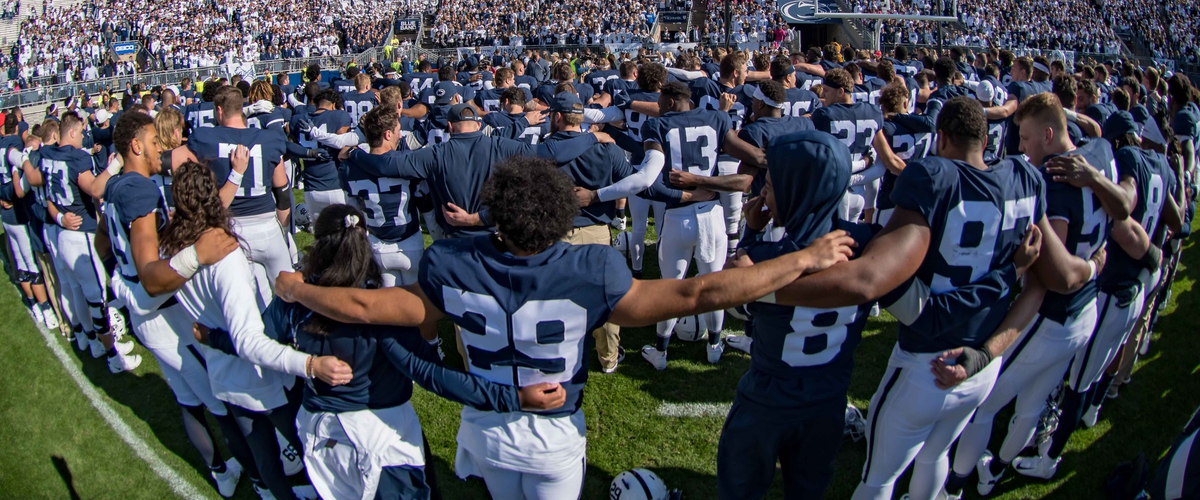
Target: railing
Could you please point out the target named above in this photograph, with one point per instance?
(51, 93)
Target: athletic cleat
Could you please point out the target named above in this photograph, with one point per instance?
(714, 352)
(1090, 417)
(1039, 466)
(618, 223)
(227, 481)
(305, 492)
(123, 348)
(656, 358)
(81, 340)
(875, 310)
(122, 363)
(620, 358)
(263, 493)
(738, 312)
(942, 495)
(986, 480)
(739, 342)
(37, 314)
(97, 347)
(49, 318)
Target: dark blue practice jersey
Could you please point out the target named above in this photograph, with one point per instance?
(516, 126)
(707, 95)
(129, 197)
(455, 170)
(948, 92)
(808, 82)
(690, 140)
(526, 82)
(634, 120)
(853, 124)
(903, 68)
(19, 212)
(1100, 112)
(1146, 167)
(421, 82)
(977, 219)
(387, 201)
(271, 120)
(911, 138)
(342, 85)
(323, 176)
(601, 166)
(759, 134)
(869, 91)
(214, 145)
(597, 79)
(800, 102)
(201, 114)
(357, 105)
(1088, 226)
(545, 92)
(526, 320)
(62, 166)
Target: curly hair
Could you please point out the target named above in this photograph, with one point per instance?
(340, 257)
(532, 202)
(197, 208)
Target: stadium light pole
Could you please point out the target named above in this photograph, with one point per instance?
(728, 24)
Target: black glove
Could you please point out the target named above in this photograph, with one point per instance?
(319, 154)
(972, 360)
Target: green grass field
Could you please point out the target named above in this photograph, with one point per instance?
(58, 446)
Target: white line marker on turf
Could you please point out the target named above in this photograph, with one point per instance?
(693, 410)
(178, 484)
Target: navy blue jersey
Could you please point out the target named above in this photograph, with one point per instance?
(357, 105)
(741, 107)
(516, 126)
(807, 82)
(386, 201)
(977, 219)
(526, 320)
(634, 121)
(464, 77)
(342, 85)
(421, 82)
(869, 91)
(1147, 169)
(489, 99)
(465, 94)
(759, 134)
(190, 94)
(526, 82)
(968, 71)
(129, 197)
(456, 169)
(600, 166)
(903, 68)
(1020, 91)
(948, 92)
(545, 92)
(911, 138)
(435, 128)
(853, 124)
(214, 145)
(323, 176)
(41, 194)
(271, 120)
(690, 140)
(597, 79)
(62, 166)
(200, 115)
(1088, 226)
(18, 214)
(618, 86)
(800, 102)
(1186, 123)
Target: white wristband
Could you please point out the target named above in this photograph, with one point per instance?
(25, 155)
(1092, 267)
(58, 218)
(186, 262)
(235, 178)
(114, 166)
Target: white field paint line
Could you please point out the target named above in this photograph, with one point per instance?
(178, 484)
(693, 410)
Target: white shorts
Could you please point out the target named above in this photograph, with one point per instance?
(566, 484)
(22, 249)
(398, 260)
(344, 453)
(911, 418)
(263, 240)
(851, 207)
(318, 200)
(167, 334)
(639, 214)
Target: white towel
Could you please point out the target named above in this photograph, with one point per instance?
(710, 226)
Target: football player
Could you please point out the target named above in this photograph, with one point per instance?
(322, 184)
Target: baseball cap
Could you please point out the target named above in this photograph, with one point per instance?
(462, 113)
(102, 115)
(1120, 123)
(444, 92)
(985, 92)
(566, 102)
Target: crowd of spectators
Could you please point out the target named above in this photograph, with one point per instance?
(1183, 22)
(464, 23)
(752, 21)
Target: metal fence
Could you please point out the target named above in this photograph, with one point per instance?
(50, 93)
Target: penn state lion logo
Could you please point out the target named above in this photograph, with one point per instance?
(797, 9)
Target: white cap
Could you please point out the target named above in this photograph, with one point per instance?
(102, 115)
(985, 92)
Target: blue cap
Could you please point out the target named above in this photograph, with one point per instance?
(566, 102)
(444, 92)
(1119, 124)
(462, 113)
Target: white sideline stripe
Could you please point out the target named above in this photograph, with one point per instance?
(178, 484)
(693, 410)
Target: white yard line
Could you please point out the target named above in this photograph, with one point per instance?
(693, 410)
(178, 484)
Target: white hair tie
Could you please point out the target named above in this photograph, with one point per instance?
(351, 221)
